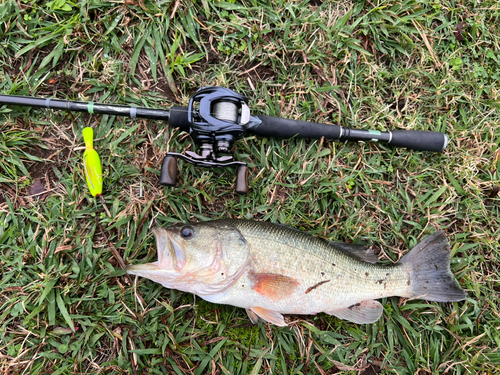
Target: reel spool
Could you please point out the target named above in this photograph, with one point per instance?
(217, 118)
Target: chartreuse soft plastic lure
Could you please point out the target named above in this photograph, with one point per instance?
(92, 164)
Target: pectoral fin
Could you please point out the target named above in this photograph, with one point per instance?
(273, 286)
(269, 316)
(361, 313)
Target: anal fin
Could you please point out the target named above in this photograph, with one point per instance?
(361, 313)
(273, 317)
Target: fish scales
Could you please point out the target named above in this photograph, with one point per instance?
(270, 270)
(280, 249)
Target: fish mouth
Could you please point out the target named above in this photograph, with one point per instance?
(171, 252)
(176, 251)
(143, 270)
(171, 256)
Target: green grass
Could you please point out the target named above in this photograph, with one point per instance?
(65, 305)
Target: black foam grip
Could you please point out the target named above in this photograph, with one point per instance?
(179, 118)
(419, 140)
(281, 127)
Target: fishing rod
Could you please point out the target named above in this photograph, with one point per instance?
(216, 117)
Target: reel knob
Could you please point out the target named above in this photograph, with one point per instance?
(168, 176)
(242, 180)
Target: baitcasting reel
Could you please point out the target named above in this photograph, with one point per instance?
(217, 118)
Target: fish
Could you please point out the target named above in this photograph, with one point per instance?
(271, 270)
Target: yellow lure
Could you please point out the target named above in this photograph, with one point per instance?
(92, 164)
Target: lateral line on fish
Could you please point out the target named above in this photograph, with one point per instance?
(315, 286)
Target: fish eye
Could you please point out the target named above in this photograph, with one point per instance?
(187, 232)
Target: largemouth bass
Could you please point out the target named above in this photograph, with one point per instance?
(270, 269)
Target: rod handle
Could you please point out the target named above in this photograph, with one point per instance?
(412, 139)
(286, 128)
(419, 140)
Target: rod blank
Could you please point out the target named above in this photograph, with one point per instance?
(88, 107)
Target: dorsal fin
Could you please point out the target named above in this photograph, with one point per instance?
(358, 251)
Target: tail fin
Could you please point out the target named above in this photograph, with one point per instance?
(430, 274)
